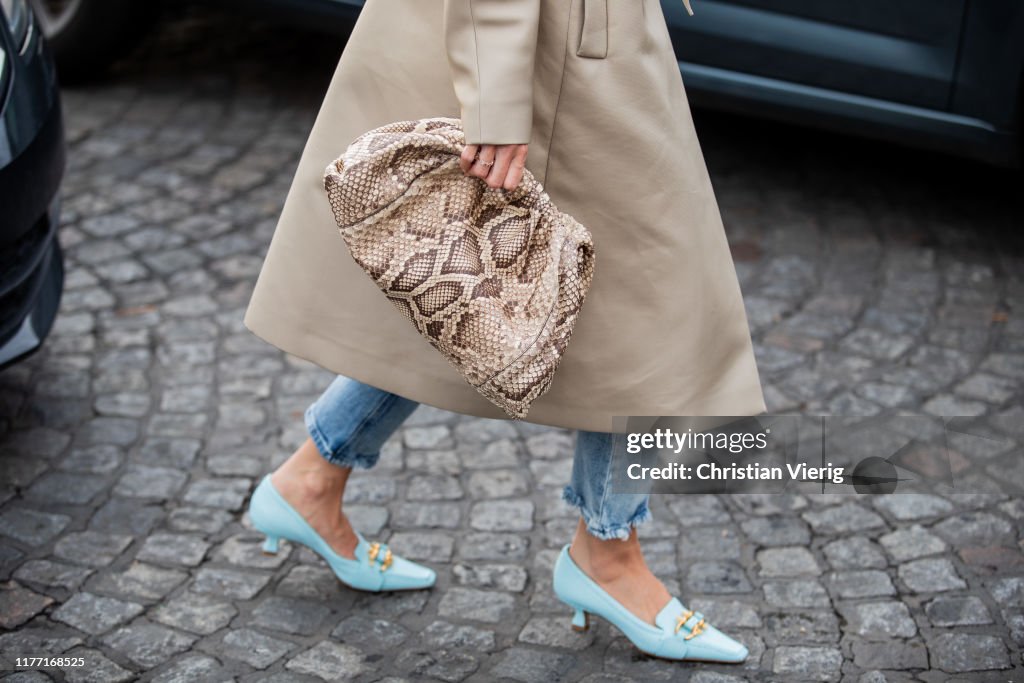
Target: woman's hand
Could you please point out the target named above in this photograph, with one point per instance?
(507, 170)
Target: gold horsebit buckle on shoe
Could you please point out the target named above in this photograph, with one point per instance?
(375, 550)
(696, 629)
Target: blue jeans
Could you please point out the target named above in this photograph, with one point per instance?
(351, 421)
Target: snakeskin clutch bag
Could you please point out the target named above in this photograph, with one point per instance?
(494, 279)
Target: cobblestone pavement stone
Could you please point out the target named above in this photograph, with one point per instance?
(874, 278)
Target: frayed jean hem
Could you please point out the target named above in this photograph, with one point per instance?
(341, 457)
(606, 531)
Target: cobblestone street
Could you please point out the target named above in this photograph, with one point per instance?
(874, 278)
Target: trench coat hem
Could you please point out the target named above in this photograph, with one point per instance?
(453, 393)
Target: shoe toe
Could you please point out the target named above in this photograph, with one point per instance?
(405, 574)
(718, 646)
(711, 645)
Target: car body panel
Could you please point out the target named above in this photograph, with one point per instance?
(898, 51)
(945, 76)
(23, 107)
(989, 82)
(31, 168)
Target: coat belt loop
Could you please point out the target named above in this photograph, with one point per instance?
(686, 3)
(594, 34)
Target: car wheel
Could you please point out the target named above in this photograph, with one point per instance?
(87, 35)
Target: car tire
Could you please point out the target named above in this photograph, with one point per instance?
(86, 36)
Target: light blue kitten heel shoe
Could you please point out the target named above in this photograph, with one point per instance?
(680, 634)
(375, 567)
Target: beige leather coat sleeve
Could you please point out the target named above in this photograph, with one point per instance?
(491, 46)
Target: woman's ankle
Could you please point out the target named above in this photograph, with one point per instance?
(606, 560)
(309, 475)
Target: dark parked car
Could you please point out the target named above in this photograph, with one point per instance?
(946, 75)
(31, 167)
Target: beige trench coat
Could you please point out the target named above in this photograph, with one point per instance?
(594, 87)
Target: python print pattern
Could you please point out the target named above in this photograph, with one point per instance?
(494, 279)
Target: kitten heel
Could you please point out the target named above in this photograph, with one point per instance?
(270, 545)
(580, 620)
